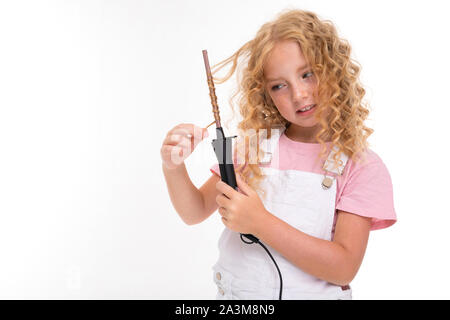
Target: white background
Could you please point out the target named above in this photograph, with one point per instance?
(88, 91)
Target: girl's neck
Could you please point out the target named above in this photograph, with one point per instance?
(301, 134)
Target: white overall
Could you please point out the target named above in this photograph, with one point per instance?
(245, 271)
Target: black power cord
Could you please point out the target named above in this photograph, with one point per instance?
(254, 239)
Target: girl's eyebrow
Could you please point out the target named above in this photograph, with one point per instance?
(299, 69)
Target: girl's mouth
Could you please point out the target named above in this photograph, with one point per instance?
(307, 112)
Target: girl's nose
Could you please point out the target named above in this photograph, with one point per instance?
(300, 93)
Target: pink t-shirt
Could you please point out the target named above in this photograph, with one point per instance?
(364, 189)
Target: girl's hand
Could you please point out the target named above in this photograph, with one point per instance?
(241, 212)
(180, 142)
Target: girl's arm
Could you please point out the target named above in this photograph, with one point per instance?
(192, 205)
(334, 261)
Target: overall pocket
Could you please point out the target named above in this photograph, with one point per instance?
(232, 288)
(223, 281)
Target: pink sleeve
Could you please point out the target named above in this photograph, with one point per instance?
(369, 193)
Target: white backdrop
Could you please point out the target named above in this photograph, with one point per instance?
(88, 91)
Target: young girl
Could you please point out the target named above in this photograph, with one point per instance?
(313, 189)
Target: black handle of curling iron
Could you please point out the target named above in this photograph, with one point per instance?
(222, 147)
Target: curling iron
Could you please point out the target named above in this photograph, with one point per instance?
(222, 145)
(223, 149)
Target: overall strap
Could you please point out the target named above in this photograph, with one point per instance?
(329, 163)
(329, 167)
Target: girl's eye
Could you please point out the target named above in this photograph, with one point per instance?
(275, 88)
(278, 86)
(308, 73)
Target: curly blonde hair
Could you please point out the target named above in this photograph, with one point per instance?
(340, 110)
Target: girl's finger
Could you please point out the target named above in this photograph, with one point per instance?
(177, 139)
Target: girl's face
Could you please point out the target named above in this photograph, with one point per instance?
(291, 83)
